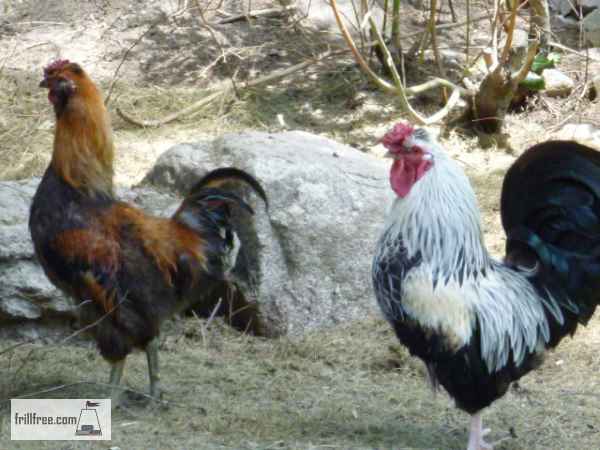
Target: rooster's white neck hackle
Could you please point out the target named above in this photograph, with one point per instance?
(440, 216)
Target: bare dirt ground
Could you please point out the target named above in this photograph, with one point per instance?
(350, 387)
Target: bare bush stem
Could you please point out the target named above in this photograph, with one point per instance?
(397, 88)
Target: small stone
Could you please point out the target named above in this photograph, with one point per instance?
(557, 83)
(580, 132)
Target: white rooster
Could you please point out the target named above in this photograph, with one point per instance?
(478, 323)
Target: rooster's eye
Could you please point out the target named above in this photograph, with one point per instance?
(420, 133)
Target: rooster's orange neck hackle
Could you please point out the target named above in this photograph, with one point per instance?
(83, 146)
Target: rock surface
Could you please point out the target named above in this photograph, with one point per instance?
(584, 133)
(304, 263)
(591, 25)
(27, 298)
(557, 83)
(565, 7)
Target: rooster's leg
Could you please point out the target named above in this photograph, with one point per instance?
(152, 355)
(476, 435)
(116, 373)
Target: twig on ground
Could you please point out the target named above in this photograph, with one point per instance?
(560, 124)
(125, 55)
(93, 324)
(204, 327)
(17, 345)
(131, 47)
(573, 51)
(448, 26)
(210, 29)
(269, 12)
(96, 383)
(222, 91)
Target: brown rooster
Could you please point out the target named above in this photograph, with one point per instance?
(128, 270)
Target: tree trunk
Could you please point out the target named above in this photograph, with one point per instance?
(492, 101)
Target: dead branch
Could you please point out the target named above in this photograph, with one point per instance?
(225, 88)
(448, 26)
(573, 51)
(495, 34)
(510, 32)
(398, 87)
(531, 52)
(540, 20)
(468, 32)
(210, 29)
(435, 83)
(383, 84)
(269, 12)
(433, 34)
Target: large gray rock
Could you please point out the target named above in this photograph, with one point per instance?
(26, 295)
(303, 264)
(306, 263)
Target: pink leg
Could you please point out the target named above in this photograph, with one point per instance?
(476, 435)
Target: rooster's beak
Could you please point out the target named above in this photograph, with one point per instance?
(388, 154)
(44, 83)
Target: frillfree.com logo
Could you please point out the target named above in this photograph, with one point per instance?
(60, 419)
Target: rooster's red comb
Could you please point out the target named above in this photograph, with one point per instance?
(56, 65)
(398, 134)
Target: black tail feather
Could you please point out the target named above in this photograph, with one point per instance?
(207, 196)
(207, 210)
(218, 177)
(551, 214)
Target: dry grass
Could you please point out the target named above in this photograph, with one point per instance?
(24, 127)
(350, 387)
